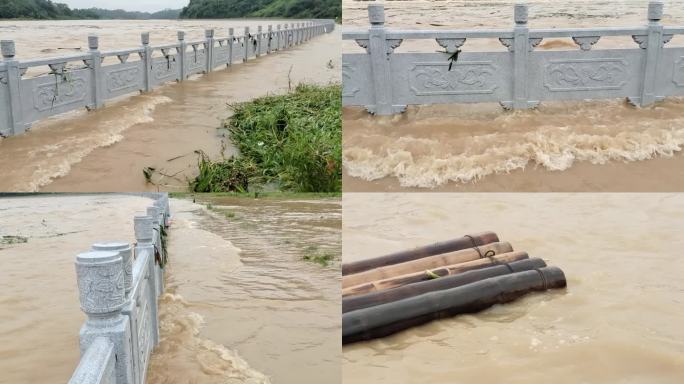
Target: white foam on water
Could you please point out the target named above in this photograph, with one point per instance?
(184, 355)
(428, 163)
(55, 159)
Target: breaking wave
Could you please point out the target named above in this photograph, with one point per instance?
(428, 160)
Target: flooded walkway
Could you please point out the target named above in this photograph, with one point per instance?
(241, 306)
(108, 149)
(272, 309)
(40, 315)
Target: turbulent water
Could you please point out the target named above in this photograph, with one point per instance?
(39, 308)
(255, 314)
(617, 322)
(106, 150)
(272, 309)
(462, 147)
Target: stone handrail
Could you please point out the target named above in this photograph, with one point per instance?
(385, 82)
(119, 285)
(87, 81)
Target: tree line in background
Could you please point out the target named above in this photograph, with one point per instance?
(48, 10)
(301, 9)
(196, 9)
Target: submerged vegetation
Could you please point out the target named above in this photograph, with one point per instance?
(314, 255)
(10, 239)
(291, 141)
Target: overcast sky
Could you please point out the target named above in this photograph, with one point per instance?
(129, 5)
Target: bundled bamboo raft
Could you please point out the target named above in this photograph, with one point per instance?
(395, 295)
(467, 241)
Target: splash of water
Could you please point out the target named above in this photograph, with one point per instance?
(185, 356)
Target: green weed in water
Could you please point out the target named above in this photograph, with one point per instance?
(7, 240)
(313, 254)
(293, 141)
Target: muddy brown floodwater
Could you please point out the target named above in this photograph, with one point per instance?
(617, 322)
(106, 150)
(241, 306)
(603, 145)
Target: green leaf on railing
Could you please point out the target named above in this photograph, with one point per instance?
(453, 58)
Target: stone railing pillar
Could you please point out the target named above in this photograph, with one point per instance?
(279, 36)
(231, 42)
(95, 66)
(126, 252)
(248, 42)
(259, 41)
(380, 52)
(654, 47)
(144, 236)
(269, 47)
(182, 47)
(146, 58)
(209, 49)
(286, 37)
(12, 77)
(292, 41)
(154, 212)
(102, 295)
(521, 49)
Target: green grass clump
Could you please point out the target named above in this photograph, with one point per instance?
(228, 175)
(9, 239)
(314, 255)
(293, 141)
(322, 259)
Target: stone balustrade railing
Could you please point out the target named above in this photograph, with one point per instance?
(119, 285)
(87, 81)
(385, 81)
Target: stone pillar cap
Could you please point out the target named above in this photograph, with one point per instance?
(97, 257)
(111, 246)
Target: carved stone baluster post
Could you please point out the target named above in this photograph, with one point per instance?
(231, 40)
(95, 66)
(248, 42)
(654, 48)
(147, 60)
(167, 209)
(126, 252)
(278, 36)
(182, 47)
(380, 52)
(259, 41)
(269, 48)
(12, 78)
(209, 49)
(161, 206)
(521, 48)
(154, 213)
(286, 34)
(144, 235)
(102, 295)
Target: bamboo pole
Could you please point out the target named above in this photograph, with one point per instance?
(422, 264)
(427, 275)
(386, 319)
(468, 241)
(353, 303)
